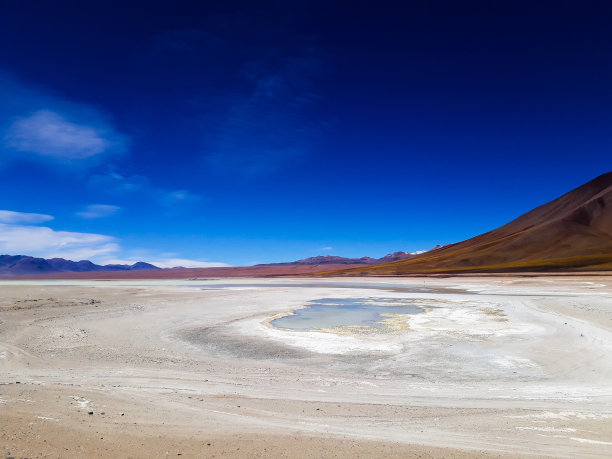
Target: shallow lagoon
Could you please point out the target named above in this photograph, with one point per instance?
(343, 312)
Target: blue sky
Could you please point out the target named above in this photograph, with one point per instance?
(199, 133)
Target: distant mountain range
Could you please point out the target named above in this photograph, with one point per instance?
(16, 265)
(573, 232)
(22, 265)
(335, 260)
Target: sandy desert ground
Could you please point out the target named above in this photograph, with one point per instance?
(496, 367)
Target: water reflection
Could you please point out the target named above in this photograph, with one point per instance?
(343, 312)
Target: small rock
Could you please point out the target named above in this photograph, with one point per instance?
(90, 412)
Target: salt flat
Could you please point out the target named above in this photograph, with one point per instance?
(504, 366)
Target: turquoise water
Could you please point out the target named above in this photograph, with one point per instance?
(342, 312)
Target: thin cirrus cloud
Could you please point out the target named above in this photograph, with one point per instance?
(178, 202)
(174, 201)
(98, 211)
(50, 134)
(115, 183)
(20, 234)
(36, 124)
(42, 241)
(172, 198)
(11, 217)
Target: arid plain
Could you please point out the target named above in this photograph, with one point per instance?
(494, 366)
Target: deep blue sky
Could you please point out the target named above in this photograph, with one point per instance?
(251, 132)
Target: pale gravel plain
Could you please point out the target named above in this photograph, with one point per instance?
(499, 366)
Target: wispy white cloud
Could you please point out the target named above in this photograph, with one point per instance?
(174, 201)
(20, 235)
(8, 216)
(326, 249)
(116, 183)
(179, 196)
(98, 211)
(45, 242)
(36, 124)
(178, 201)
(49, 134)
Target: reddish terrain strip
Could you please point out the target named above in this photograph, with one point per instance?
(190, 273)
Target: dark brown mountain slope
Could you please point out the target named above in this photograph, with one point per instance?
(573, 232)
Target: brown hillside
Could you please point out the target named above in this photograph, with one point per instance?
(572, 232)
